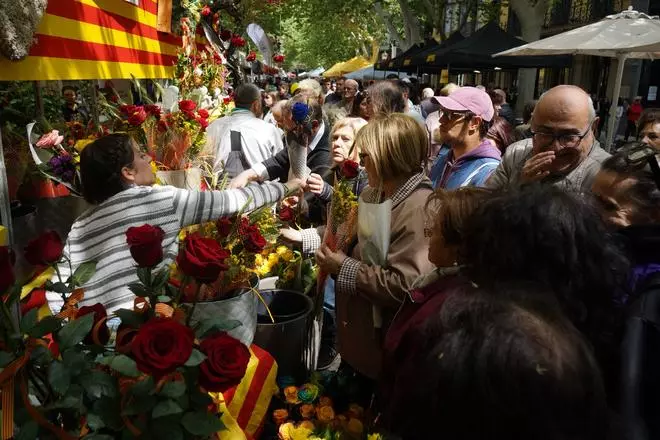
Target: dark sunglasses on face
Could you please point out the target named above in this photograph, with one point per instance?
(451, 115)
(640, 155)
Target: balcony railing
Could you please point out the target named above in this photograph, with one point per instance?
(572, 13)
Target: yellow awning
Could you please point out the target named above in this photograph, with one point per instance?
(345, 67)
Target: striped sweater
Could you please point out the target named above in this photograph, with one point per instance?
(99, 234)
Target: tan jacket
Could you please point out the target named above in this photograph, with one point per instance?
(360, 286)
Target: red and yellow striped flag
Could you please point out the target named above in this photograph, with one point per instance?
(96, 39)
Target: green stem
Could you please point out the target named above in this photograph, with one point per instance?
(179, 295)
(59, 277)
(192, 311)
(7, 318)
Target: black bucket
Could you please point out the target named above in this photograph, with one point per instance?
(286, 338)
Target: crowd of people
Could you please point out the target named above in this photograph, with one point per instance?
(519, 294)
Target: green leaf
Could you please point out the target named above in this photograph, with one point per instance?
(140, 405)
(196, 358)
(99, 383)
(74, 361)
(173, 389)
(161, 278)
(29, 320)
(59, 377)
(122, 364)
(65, 403)
(144, 275)
(58, 287)
(75, 331)
(48, 324)
(209, 325)
(166, 408)
(109, 410)
(201, 423)
(95, 422)
(84, 273)
(164, 299)
(167, 428)
(41, 355)
(130, 318)
(143, 387)
(5, 358)
(28, 431)
(138, 290)
(94, 436)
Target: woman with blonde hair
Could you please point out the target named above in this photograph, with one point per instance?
(393, 149)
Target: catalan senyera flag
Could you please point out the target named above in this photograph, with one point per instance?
(96, 39)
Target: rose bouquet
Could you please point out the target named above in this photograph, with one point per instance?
(67, 376)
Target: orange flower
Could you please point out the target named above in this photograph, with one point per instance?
(307, 411)
(355, 411)
(325, 414)
(325, 401)
(280, 416)
(355, 427)
(307, 424)
(291, 395)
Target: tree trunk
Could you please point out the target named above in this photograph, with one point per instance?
(413, 28)
(531, 14)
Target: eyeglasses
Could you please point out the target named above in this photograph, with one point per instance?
(451, 115)
(640, 155)
(565, 140)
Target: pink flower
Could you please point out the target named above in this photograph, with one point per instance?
(50, 139)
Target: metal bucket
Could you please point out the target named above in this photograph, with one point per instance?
(240, 306)
(285, 339)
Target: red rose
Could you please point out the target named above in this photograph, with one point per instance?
(251, 56)
(7, 277)
(53, 346)
(203, 122)
(146, 244)
(255, 242)
(45, 249)
(203, 113)
(224, 226)
(162, 126)
(189, 114)
(138, 116)
(187, 105)
(287, 213)
(161, 345)
(153, 110)
(350, 169)
(99, 314)
(225, 365)
(206, 11)
(237, 41)
(202, 258)
(227, 100)
(36, 300)
(128, 109)
(225, 34)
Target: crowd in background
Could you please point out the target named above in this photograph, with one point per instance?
(519, 294)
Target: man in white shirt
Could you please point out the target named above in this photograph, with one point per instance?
(241, 140)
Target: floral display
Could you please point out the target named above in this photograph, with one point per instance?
(76, 380)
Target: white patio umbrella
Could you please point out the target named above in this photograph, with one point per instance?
(628, 34)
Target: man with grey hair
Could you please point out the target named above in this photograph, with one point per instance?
(562, 150)
(238, 141)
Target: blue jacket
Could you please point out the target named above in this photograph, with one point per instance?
(471, 169)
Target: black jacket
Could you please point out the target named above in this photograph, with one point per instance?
(640, 356)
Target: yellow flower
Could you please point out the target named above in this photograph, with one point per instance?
(81, 144)
(281, 250)
(374, 437)
(258, 260)
(306, 424)
(273, 259)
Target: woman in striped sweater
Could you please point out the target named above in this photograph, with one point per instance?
(117, 178)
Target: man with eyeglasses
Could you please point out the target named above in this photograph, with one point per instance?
(466, 158)
(562, 150)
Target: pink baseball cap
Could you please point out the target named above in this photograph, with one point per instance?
(468, 98)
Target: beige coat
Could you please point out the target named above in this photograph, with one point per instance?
(359, 344)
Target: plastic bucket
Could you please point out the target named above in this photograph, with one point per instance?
(286, 338)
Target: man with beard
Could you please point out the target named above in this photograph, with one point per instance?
(562, 150)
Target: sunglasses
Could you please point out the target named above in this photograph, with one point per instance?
(640, 155)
